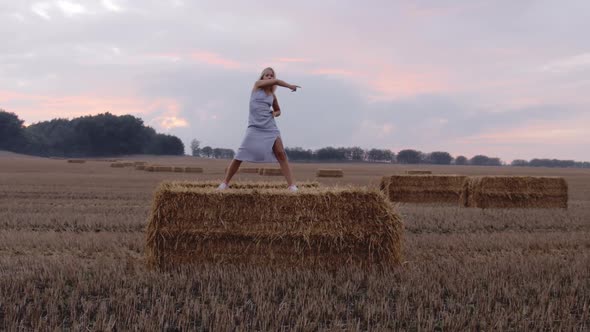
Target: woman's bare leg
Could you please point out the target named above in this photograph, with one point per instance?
(232, 169)
(279, 152)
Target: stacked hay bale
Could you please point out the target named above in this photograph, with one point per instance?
(76, 161)
(424, 188)
(241, 185)
(140, 167)
(117, 165)
(319, 227)
(149, 168)
(191, 169)
(271, 171)
(515, 192)
(178, 169)
(139, 163)
(330, 173)
(417, 171)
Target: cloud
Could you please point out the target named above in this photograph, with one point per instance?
(568, 64)
(70, 9)
(111, 5)
(41, 9)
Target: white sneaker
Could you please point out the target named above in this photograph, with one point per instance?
(222, 186)
(293, 188)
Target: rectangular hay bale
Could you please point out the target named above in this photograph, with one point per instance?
(515, 192)
(445, 189)
(191, 169)
(117, 165)
(76, 161)
(163, 168)
(330, 173)
(178, 169)
(314, 227)
(140, 167)
(241, 184)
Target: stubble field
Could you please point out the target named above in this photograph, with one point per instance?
(72, 256)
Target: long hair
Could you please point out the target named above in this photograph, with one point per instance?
(274, 87)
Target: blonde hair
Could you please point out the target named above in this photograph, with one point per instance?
(274, 87)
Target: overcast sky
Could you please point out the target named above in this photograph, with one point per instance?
(503, 78)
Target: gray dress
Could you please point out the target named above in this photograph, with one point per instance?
(262, 130)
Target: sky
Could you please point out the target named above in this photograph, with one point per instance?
(503, 78)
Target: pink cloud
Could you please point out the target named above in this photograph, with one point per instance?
(292, 60)
(35, 107)
(214, 59)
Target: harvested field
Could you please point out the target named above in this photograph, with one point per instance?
(417, 171)
(330, 173)
(72, 257)
(424, 188)
(515, 192)
(312, 228)
(271, 171)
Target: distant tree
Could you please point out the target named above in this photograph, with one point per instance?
(207, 151)
(519, 162)
(298, 153)
(163, 144)
(195, 147)
(461, 160)
(330, 153)
(12, 133)
(357, 154)
(409, 156)
(440, 158)
(481, 160)
(380, 155)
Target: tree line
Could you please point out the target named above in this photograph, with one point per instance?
(95, 135)
(209, 152)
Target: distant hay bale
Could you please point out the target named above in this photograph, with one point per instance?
(241, 185)
(260, 171)
(178, 169)
(246, 170)
(149, 168)
(330, 173)
(140, 167)
(192, 169)
(515, 192)
(423, 188)
(163, 168)
(127, 164)
(117, 165)
(316, 227)
(139, 163)
(271, 171)
(417, 171)
(76, 161)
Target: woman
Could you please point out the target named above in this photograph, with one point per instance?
(262, 143)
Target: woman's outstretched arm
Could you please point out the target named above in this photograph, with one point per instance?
(265, 83)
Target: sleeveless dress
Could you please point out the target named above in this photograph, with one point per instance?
(262, 131)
